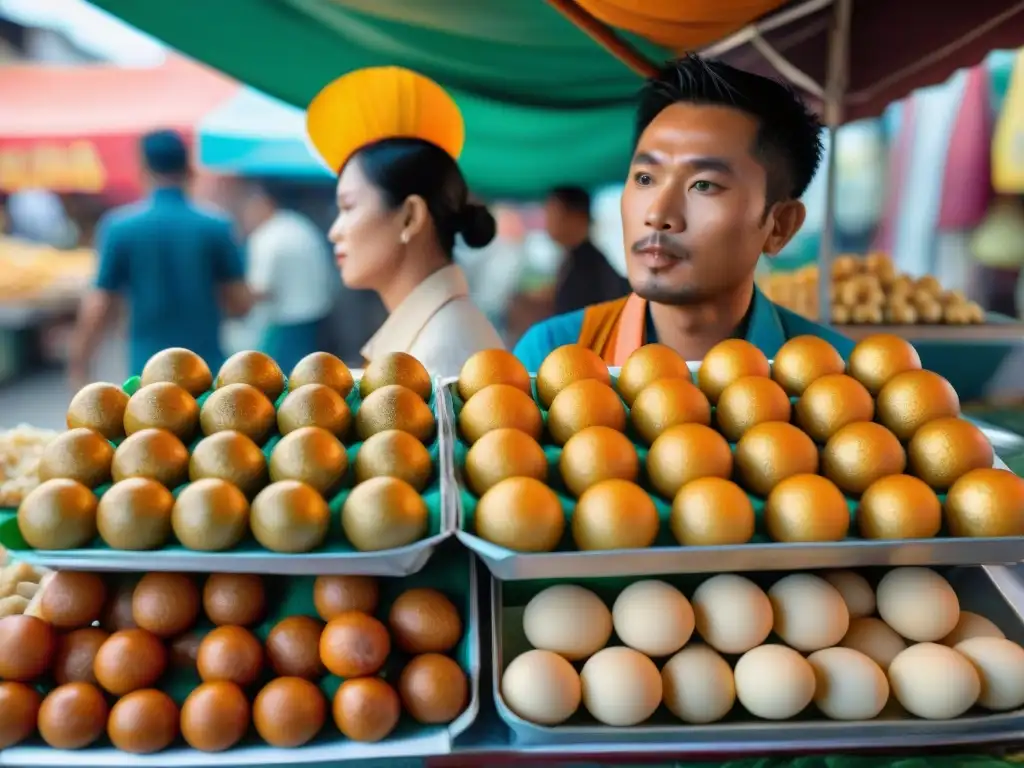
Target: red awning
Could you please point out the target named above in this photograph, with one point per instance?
(76, 129)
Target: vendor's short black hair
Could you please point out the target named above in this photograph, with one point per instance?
(789, 141)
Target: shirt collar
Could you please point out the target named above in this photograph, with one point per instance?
(168, 193)
(764, 326)
(400, 330)
(764, 329)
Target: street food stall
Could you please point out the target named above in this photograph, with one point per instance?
(484, 589)
(76, 129)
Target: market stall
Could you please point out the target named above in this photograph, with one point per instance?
(252, 134)
(83, 136)
(508, 152)
(74, 131)
(488, 460)
(369, 634)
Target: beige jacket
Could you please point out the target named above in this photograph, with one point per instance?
(438, 324)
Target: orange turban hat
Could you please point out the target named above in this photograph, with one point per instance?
(378, 103)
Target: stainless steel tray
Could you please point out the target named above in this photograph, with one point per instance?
(403, 561)
(252, 558)
(426, 742)
(508, 565)
(992, 591)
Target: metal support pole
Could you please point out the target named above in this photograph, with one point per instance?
(835, 89)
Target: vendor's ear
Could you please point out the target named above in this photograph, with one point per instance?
(415, 217)
(784, 221)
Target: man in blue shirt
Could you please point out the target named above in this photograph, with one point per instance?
(177, 266)
(722, 157)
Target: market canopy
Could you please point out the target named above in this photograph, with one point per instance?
(252, 134)
(546, 104)
(76, 129)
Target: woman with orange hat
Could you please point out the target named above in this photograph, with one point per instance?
(394, 137)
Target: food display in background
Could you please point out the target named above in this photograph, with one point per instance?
(838, 645)
(20, 451)
(809, 448)
(312, 461)
(869, 291)
(144, 662)
(19, 585)
(30, 272)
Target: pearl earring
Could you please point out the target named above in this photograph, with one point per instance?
(404, 238)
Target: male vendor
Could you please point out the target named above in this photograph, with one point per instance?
(722, 158)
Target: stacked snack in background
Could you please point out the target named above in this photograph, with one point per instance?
(20, 451)
(144, 660)
(259, 454)
(830, 643)
(19, 585)
(869, 291)
(31, 272)
(810, 448)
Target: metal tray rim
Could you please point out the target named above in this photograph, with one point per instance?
(402, 561)
(436, 742)
(451, 509)
(510, 566)
(460, 724)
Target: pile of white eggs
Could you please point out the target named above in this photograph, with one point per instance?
(935, 660)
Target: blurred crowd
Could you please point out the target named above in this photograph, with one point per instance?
(279, 229)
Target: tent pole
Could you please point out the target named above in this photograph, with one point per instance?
(604, 36)
(835, 90)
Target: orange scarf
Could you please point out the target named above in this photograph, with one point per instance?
(615, 329)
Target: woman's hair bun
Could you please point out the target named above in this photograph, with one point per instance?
(477, 226)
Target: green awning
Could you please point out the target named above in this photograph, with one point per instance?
(543, 104)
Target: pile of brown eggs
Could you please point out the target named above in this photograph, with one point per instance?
(116, 652)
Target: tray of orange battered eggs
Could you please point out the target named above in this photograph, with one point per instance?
(178, 669)
(736, 463)
(763, 662)
(252, 470)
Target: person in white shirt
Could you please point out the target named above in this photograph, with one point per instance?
(290, 272)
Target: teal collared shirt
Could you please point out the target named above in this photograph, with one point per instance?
(168, 258)
(769, 326)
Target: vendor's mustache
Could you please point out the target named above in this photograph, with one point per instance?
(661, 242)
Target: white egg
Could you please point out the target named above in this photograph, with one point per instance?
(918, 603)
(653, 617)
(857, 593)
(809, 612)
(541, 687)
(933, 681)
(1000, 665)
(732, 613)
(848, 685)
(774, 682)
(698, 685)
(620, 686)
(875, 639)
(971, 625)
(568, 620)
